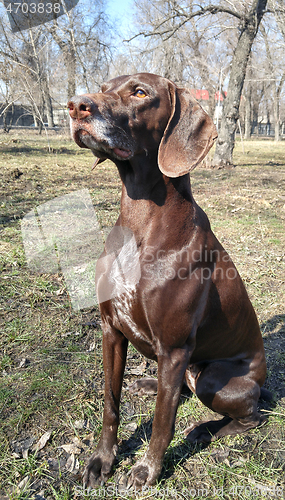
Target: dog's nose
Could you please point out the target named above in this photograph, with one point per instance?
(80, 107)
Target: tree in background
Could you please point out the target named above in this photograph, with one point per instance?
(84, 45)
(24, 57)
(249, 23)
(180, 45)
(264, 82)
(279, 11)
(7, 90)
(201, 46)
(276, 78)
(242, 17)
(53, 61)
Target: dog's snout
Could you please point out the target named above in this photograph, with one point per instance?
(80, 107)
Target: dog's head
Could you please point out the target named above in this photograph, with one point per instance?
(143, 114)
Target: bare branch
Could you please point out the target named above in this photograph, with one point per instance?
(210, 9)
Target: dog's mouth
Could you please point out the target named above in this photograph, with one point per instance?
(79, 136)
(85, 140)
(122, 153)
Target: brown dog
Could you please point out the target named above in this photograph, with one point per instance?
(189, 310)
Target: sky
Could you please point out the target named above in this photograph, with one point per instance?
(120, 11)
(116, 7)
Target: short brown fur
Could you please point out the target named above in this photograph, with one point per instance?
(190, 310)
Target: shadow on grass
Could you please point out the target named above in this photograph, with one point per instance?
(274, 343)
(43, 150)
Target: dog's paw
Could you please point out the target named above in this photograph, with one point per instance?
(198, 433)
(143, 386)
(99, 468)
(144, 473)
(205, 432)
(141, 476)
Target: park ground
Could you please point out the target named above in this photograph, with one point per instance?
(51, 373)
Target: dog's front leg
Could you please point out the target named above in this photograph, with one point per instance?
(171, 371)
(100, 465)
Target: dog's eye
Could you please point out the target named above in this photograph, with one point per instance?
(140, 93)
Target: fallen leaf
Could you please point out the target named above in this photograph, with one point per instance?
(140, 369)
(22, 484)
(71, 448)
(77, 441)
(42, 442)
(24, 362)
(80, 424)
(132, 427)
(53, 463)
(69, 466)
(220, 455)
(88, 440)
(72, 464)
(239, 463)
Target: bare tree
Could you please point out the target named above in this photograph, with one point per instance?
(6, 91)
(249, 24)
(34, 59)
(55, 60)
(67, 47)
(25, 53)
(246, 16)
(276, 74)
(84, 44)
(176, 49)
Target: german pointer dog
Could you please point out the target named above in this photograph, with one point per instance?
(189, 310)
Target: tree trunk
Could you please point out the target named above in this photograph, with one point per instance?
(276, 118)
(69, 56)
(255, 113)
(70, 64)
(7, 123)
(47, 101)
(34, 112)
(277, 108)
(49, 110)
(226, 139)
(247, 121)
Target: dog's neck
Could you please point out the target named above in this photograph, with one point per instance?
(142, 180)
(148, 196)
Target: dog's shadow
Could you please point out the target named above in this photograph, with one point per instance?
(273, 331)
(274, 343)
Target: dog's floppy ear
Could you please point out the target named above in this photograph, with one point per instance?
(188, 136)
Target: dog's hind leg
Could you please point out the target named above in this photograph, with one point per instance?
(232, 389)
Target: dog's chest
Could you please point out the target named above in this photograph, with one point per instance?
(129, 318)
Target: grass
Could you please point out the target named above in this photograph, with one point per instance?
(51, 372)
